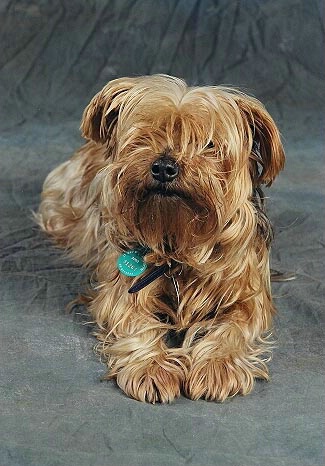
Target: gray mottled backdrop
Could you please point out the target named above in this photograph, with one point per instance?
(54, 56)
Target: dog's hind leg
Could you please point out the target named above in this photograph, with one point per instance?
(69, 210)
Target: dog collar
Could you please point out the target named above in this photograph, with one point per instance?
(132, 264)
(157, 272)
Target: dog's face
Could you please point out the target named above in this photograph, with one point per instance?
(181, 163)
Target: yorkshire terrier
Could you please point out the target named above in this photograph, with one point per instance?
(164, 205)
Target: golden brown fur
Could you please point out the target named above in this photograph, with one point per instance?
(211, 342)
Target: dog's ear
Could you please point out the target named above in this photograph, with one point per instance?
(100, 116)
(267, 155)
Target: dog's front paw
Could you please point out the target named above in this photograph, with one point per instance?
(218, 379)
(156, 381)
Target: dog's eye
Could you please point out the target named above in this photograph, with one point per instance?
(210, 145)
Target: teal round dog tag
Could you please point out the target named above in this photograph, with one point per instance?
(131, 263)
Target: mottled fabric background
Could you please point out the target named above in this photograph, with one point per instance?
(54, 56)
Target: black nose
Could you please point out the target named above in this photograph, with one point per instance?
(164, 169)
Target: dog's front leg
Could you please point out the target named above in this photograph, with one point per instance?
(228, 358)
(133, 342)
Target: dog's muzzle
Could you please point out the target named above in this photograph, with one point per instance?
(164, 169)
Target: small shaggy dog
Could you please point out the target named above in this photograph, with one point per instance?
(164, 205)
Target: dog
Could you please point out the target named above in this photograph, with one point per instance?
(163, 204)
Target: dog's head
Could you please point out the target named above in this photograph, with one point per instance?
(182, 163)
